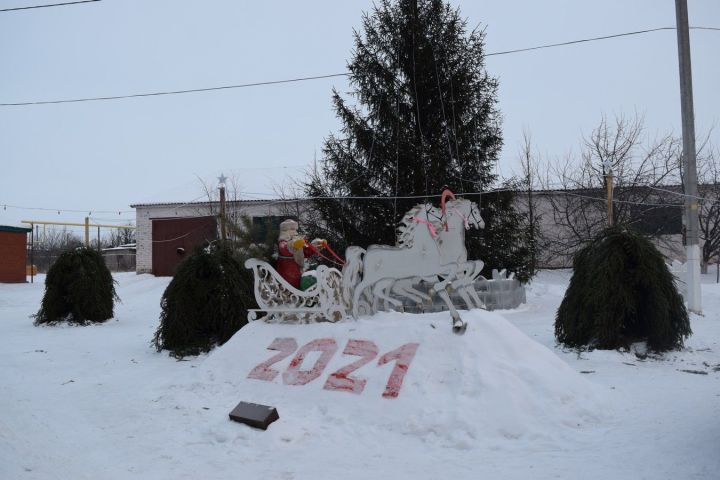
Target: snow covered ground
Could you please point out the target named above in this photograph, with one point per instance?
(500, 402)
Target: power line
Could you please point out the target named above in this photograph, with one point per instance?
(373, 198)
(49, 5)
(599, 198)
(62, 210)
(319, 77)
(176, 92)
(573, 42)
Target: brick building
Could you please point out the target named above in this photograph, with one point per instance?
(166, 232)
(13, 254)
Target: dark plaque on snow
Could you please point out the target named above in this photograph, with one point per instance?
(258, 416)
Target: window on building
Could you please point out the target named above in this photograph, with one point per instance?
(265, 229)
(657, 220)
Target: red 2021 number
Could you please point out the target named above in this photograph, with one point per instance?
(263, 371)
(295, 376)
(403, 356)
(340, 380)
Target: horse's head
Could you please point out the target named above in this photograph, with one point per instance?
(468, 211)
(474, 217)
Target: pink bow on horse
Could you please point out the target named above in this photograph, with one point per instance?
(430, 226)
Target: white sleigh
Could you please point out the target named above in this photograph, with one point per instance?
(281, 302)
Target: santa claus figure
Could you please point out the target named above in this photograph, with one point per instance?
(292, 252)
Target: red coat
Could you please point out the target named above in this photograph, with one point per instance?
(287, 267)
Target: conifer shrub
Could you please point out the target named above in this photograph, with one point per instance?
(621, 292)
(205, 303)
(79, 289)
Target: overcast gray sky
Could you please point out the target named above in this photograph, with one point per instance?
(104, 156)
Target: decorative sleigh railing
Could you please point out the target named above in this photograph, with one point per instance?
(283, 303)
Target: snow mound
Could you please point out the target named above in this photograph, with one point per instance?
(486, 388)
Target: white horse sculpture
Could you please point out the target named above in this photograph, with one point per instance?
(421, 254)
(451, 244)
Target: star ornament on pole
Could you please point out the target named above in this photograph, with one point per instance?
(608, 166)
(221, 180)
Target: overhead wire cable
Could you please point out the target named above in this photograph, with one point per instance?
(48, 5)
(374, 198)
(486, 192)
(680, 194)
(584, 40)
(90, 211)
(442, 103)
(63, 210)
(175, 92)
(319, 77)
(397, 129)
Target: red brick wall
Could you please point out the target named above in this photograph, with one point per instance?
(13, 256)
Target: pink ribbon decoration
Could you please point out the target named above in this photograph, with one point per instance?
(465, 220)
(446, 193)
(430, 226)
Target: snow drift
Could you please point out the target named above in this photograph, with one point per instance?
(490, 385)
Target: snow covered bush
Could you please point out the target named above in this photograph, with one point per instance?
(621, 292)
(205, 303)
(79, 289)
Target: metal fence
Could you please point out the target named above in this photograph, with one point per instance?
(116, 262)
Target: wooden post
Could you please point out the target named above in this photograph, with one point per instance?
(222, 213)
(32, 252)
(610, 198)
(87, 231)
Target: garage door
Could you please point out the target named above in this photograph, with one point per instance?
(174, 239)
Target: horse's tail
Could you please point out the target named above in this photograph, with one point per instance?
(351, 273)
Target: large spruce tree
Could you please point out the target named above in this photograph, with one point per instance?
(422, 116)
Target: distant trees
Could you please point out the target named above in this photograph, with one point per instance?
(642, 169)
(528, 203)
(709, 204)
(119, 236)
(648, 193)
(51, 243)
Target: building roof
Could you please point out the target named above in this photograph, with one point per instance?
(215, 202)
(123, 248)
(4, 228)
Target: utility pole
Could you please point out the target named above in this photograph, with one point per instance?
(690, 177)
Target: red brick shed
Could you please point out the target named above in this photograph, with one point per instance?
(13, 254)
